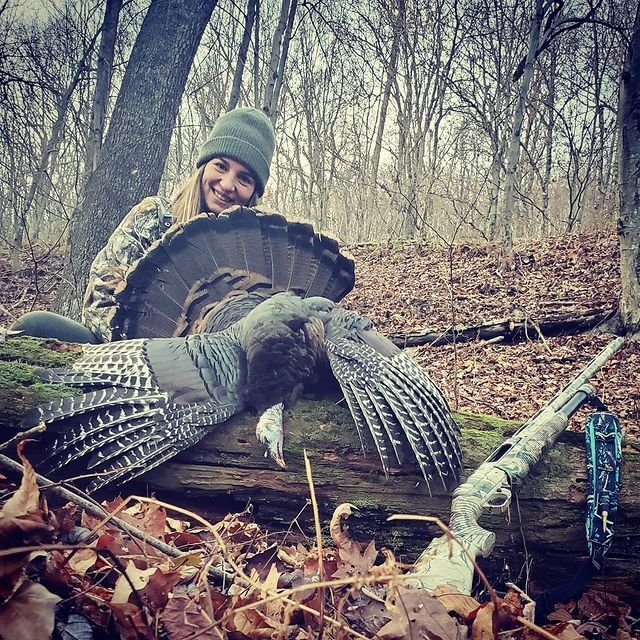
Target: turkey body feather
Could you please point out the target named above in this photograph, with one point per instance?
(257, 292)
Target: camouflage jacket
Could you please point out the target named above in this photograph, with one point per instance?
(144, 224)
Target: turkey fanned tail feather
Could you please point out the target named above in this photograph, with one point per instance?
(254, 293)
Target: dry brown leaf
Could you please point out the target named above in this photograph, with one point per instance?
(594, 604)
(159, 587)
(83, 559)
(182, 618)
(353, 562)
(29, 614)
(560, 614)
(366, 613)
(254, 623)
(456, 602)
(388, 567)
(338, 530)
(482, 628)
(419, 615)
(176, 525)
(131, 623)
(139, 578)
(564, 631)
(26, 499)
(16, 533)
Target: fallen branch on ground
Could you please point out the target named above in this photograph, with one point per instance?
(510, 329)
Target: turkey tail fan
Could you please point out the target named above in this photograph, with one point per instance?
(186, 273)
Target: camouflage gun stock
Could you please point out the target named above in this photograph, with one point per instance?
(489, 488)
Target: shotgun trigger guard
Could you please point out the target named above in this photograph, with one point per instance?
(500, 499)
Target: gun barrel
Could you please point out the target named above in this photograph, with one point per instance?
(563, 396)
(447, 561)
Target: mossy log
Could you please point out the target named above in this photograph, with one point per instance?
(542, 539)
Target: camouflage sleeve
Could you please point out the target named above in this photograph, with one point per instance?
(144, 224)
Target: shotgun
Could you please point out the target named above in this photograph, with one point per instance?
(489, 488)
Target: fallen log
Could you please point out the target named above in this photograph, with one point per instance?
(514, 329)
(545, 528)
(228, 470)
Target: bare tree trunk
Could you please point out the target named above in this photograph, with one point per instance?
(278, 60)
(548, 163)
(494, 192)
(103, 85)
(513, 152)
(137, 141)
(384, 105)
(276, 45)
(256, 56)
(252, 7)
(629, 159)
(282, 62)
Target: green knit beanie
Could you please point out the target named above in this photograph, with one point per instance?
(244, 135)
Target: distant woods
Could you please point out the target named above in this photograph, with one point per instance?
(442, 120)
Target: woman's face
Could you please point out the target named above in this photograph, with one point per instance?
(226, 183)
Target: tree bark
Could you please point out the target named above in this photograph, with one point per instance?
(390, 70)
(513, 152)
(513, 329)
(629, 162)
(252, 8)
(137, 141)
(274, 63)
(282, 62)
(106, 54)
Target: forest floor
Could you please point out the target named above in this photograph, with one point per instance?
(414, 288)
(409, 288)
(404, 289)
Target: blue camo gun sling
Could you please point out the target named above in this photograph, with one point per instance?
(603, 439)
(449, 561)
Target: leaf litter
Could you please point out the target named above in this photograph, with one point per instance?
(118, 587)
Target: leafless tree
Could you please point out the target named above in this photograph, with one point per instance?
(279, 53)
(104, 72)
(629, 158)
(252, 10)
(137, 141)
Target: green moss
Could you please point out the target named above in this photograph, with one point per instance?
(365, 503)
(21, 390)
(477, 444)
(38, 352)
(483, 422)
(320, 422)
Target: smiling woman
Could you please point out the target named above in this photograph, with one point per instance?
(232, 169)
(226, 182)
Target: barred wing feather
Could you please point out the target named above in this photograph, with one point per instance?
(396, 400)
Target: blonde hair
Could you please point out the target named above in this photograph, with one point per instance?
(188, 201)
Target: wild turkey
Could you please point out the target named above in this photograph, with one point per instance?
(240, 279)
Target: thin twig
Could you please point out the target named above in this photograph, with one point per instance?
(316, 520)
(534, 627)
(23, 435)
(97, 511)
